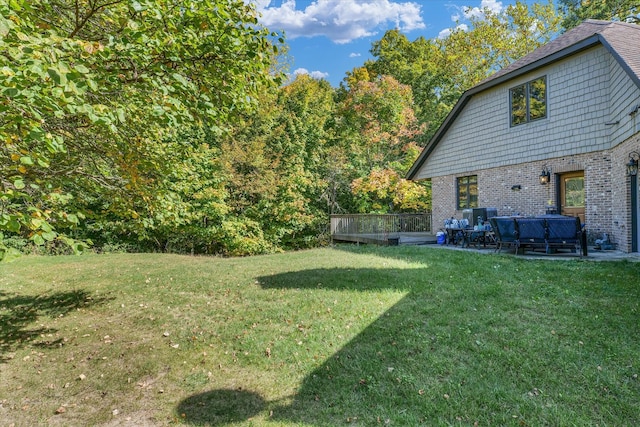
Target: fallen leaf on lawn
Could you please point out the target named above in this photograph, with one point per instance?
(61, 410)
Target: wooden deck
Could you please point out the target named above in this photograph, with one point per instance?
(386, 229)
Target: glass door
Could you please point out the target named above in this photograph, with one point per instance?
(572, 194)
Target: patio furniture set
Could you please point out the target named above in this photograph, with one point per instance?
(547, 233)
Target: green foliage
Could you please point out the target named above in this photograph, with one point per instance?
(276, 161)
(384, 190)
(144, 126)
(576, 11)
(416, 64)
(379, 130)
(92, 92)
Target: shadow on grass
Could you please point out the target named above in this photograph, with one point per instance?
(496, 341)
(18, 313)
(220, 407)
(381, 376)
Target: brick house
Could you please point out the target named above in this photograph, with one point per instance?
(554, 130)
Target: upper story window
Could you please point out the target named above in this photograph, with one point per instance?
(528, 101)
(467, 189)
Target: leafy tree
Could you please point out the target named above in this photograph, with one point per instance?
(576, 11)
(276, 160)
(440, 70)
(495, 40)
(378, 129)
(416, 64)
(93, 93)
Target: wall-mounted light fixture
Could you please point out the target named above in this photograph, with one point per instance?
(545, 175)
(516, 187)
(632, 166)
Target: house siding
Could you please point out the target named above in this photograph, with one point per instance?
(578, 106)
(626, 96)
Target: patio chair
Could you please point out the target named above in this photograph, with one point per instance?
(505, 231)
(532, 233)
(565, 232)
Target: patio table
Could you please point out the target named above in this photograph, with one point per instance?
(483, 236)
(456, 235)
(468, 235)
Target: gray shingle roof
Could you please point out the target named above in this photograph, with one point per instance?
(621, 39)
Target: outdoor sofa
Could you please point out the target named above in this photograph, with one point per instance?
(548, 232)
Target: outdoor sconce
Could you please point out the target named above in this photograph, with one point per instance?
(545, 175)
(632, 166)
(516, 187)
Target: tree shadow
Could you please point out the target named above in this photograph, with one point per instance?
(464, 345)
(449, 352)
(372, 379)
(220, 407)
(19, 312)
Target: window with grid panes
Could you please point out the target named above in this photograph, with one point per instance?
(467, 191)
(528, 101)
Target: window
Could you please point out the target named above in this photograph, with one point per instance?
(467, 189)
(528, 101)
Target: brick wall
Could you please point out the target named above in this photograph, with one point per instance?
(621, 194)
(607, 191)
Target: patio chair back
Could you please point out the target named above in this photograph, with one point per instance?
(531, 230)
(563, 229)
(504, 228)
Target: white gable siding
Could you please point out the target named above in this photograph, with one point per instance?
(578, 106)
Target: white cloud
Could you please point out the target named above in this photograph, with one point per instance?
(444, 33)
(494, 6)
(468, 13)
(315, 74)
(340, 20)
(447, 31)
(354, 55)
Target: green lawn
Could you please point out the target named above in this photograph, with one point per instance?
(351, 335)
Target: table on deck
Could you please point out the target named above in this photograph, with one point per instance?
(468, 236)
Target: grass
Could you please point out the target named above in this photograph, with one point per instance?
(351, 335)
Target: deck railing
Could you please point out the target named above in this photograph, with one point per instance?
(381, 225)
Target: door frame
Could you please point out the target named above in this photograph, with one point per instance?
(559, 182)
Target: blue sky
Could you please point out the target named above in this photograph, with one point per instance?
(327, 38)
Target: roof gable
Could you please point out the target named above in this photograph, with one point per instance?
(621, 39)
